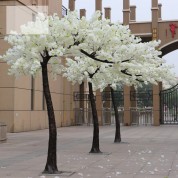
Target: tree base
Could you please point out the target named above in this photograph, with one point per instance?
(117, 140)
(95, 150)
(59, 173)
(51, 170)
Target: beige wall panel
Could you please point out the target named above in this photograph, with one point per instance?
(22, 16)
(6, 98)
(55, 100)
(36, 120)
(7, 117)
(55, 7)
(60, 83)
(5, 79)
(72, 118)
(19, 118)
(61, 96)
(23, 82)
(38, 85)
(22, 99)
(42, 117)
(3, 44)
(46, 119)
(22, 121)
(56, 85)
(2, 17)
(67, 103)
(66, 119)
(27, 120)
(68, 86)
(38, 100)
(57, 118)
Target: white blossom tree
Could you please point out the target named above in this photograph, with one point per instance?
(107, 54)
(41, 43)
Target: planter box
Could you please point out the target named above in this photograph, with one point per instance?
(3, 131)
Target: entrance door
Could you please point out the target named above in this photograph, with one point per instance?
(169, 105)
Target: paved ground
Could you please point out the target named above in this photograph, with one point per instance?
(146, 152)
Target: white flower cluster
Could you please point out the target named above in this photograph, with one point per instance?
(47, 33)
(108, 54)
(102, 52)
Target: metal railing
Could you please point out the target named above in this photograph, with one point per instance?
(141, 116)
(83, 116)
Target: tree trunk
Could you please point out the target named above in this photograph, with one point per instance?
(117, 132)
(51, 164)
(95, 145)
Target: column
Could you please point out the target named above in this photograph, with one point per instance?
(133, 13)
(107, 12)
(98, 5)
(156, 88)
(156, 104)
(99, 107)
(160, 11)
(55, 7)
(82, 13)
(72, 5)
(128, 104)
(126, 12)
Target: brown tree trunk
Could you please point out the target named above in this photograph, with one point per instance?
(95, 145)
(117, 132)
(51, 164)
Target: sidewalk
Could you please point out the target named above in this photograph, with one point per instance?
(146, 152)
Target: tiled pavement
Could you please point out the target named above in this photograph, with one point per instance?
(146, 152)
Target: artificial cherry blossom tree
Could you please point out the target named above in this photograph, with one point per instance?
(81, 69)
(107, 54)
(41, 43)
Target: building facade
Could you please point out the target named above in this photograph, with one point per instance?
(22, 103)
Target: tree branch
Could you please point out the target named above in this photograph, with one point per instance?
(91, 75)
(126, 73)
(92, 55)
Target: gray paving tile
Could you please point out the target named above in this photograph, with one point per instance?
(147, 152)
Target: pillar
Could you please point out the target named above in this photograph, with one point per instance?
(128, 104)
(126, 12)
(99, 107)
(155, 14)
(133, 13)
(72, 5)
(107, 104)
(156, 104)
(98, 5)
(156, 88)
(55, 7)
(159, 11)
(82, 13)
(107, 12)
